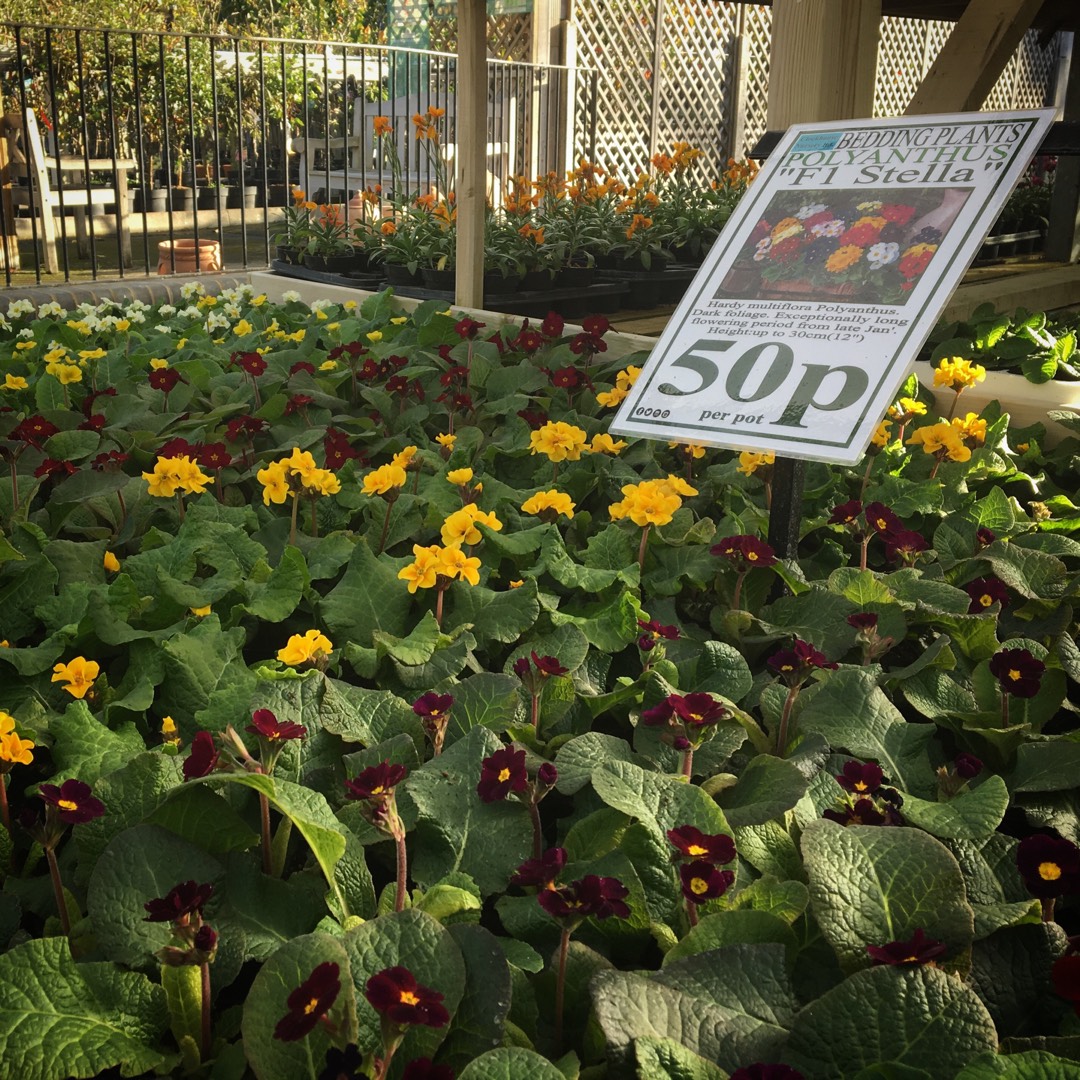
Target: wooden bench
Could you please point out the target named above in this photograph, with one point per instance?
(54, 183)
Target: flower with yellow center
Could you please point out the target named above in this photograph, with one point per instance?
(111, 562)
(421, 573)
(7, 723)
(23, 346)
(243, 327)
(459, 477)
(750, 462)
(173, 473)
(676, 485)
(972, 428)
(881, 435)
(691, 449)
(14, 382)
(374, 336)
(452, 562)
(91, 354)
(200, 612)
(79, 675)
(649, 503)
(158, 364)
(328, 365)
(404, 458)
(549, 504)
(957, 373)
(384, 480)
(460, 527)
(941, 439)
(14, 750)
(303, 648)
(399, 320)
(906, 408)
(623, 382)
(64, 373)
(605, 444)
(275, 482)
(559, 440)
(446, 441)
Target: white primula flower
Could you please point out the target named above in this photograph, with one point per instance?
(810, 210)
(166, 311)
(51, 310)
(18, 308)
(881, 255)
(290, 296)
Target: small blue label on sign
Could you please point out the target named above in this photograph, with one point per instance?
(818, 140)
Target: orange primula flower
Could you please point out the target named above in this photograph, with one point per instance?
(382, 125)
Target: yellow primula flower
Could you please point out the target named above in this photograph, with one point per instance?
(460, 527)
(7, 722)
(958, 373)
(517, 584)
(65, 373)
(275, 481)
(605, 444)
(549, 504)
(651, 502)
(459, 477)
(384, 479)
(200, 612)
(404, 458)
(243, 327)
(111, 562)
(623, 381)
(399, 320)
(941, 439)
(79, 675)
(452, 562)
(906, 408)
(306, 647)
(169, 732)
(91, 354)
(881, 435)
(972, 427)
(558, 440)
(690, 449)
(421, 573)
(175, 473)
(14, 751)
(328, 365)
(676, 485)
(374, 335)
(446, 441)
(158, 364)
(14, 382)
(749, 462)
(21, 346)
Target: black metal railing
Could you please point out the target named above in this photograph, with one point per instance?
(114, 142)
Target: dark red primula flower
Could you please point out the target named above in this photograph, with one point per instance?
(251, 362)
(164, 379)
(74, 802)
(702, 881)
(863, 621)
(553, 325)
(310, 1002)
(984, 592)
(591, 897)
(904, 543)
(795, 664)
(881, 519)
(181, 901)
(376, 783)
(548, 665)
(654, 631)
(467, 328)
(33, 430)
(395, 994)
(862, 812)
(860, 778)
(1017, 672)
(845, 513)
(967, 766)
(265, 724)
(744, 552)
(433, 705)
(501, 773)
(541, 872)
(1049, 865)
(696, 710)
(694, 844)
(919, 949)
(215, 456)
(202, 758)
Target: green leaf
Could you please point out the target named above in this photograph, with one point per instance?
(817, 616)
(917, 1018)
(201, 816)
(61, 1020)
(494, 616)
(457, 831)
(722, 670)
(510, 1063)
(853, 714)
(577, 758)
(416, 941)
(267, 1003)
(140, 864)
(488, 699)
(665, 1059)
(85, 748)
(1045, 766)
(967, 816)
(183, 993)
(665, 802)
(785, 899)
(478, 1025)
(870, 885)
(608, 626)
(730, 928)
(768, 787)
(368, 598)
(276, 598)
(1030, 1065)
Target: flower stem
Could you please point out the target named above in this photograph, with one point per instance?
(58, 890)
(207, 1045)
(180, 507)
(267, 855)
(402, 869)
(1048, 908)
(14, 485)
(1004, 710)
(535, 713)
(314, 520)
(5, 813)
(385, 528)
(736, 598)
(641, 548)
(292, 521)
(439, 606)
(691, 913)
(866, 477)
(688, 763)
(785, 719)
(538, 837)
(560, 989)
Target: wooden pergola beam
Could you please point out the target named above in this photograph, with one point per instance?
(470, 159)
(974, 56)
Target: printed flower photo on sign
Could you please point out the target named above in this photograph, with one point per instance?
(863, 246)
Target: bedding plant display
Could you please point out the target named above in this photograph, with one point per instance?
(368, 710)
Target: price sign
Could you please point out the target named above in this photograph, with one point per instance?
(806, 317)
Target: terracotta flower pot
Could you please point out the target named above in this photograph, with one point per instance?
(188, 256)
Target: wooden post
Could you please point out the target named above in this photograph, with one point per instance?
(657, 78)
(470, 158)
(9, 243)
(974, 56)
(1063, 235)
(822, 66)
(823, 60)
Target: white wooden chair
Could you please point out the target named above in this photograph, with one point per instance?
(58, 183)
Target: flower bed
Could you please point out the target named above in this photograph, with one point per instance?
(368, 710)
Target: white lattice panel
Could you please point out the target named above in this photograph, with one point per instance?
(757, 36)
